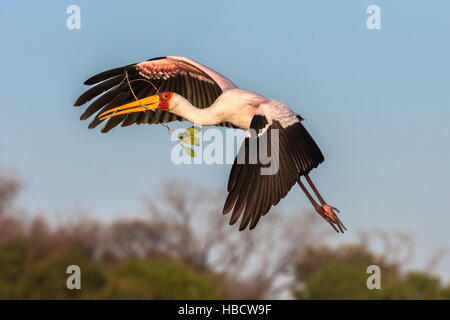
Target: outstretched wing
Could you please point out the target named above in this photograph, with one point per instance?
(195, 82)
(252, 193)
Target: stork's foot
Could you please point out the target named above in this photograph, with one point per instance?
(329, 214)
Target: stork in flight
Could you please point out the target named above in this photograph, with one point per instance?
(172, 88)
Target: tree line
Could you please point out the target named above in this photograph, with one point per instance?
(183, 248)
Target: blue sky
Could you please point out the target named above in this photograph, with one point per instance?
(377, 102)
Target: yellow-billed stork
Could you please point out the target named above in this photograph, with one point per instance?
(172, 88)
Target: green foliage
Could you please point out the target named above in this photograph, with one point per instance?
(194, 130)
(47, 279)
(13, 265)
(189, 151)
(336, 282)
(417, 286)
(159, 278)
(156, 278)
(192, 140)
(340, 273)
(315, 258)
(187, 139)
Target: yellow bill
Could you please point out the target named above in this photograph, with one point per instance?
(135, 106)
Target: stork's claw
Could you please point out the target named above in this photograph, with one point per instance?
(329, 214)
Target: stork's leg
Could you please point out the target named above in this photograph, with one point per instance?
(313, 187)
(324, 210)
(330, 211)
(316, 206)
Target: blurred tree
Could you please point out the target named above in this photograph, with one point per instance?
(336, 281)
(10, 187)
(186, 250)
(191, 227)
(14, 259)
(340, 273)
(159, 278)
(46, 279)
(416, 285)
(185, 223)
(10, 227)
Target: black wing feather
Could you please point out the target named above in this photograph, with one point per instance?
(254, 194)
(112, 89)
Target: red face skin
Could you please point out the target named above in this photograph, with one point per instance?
(164, 100)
